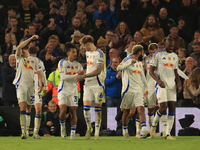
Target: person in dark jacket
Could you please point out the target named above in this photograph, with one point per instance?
(9, 97)
(113, 84)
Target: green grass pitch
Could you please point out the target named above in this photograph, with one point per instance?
(104, 143)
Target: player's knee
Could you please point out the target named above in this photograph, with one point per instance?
(125, 112)
(163, 110)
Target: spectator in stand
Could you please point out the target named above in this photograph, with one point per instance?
(62, 19)
(84, 21)
(82, 56)
(113, 84)
(69, 5)
(138, 37)
(98, 30)
(57, 43)
(183, 30)
(165, 21)
(178, 41)
(76, 25)
(109, 39)
(53, 10)
(9, 96)
(189, 10)
(75, 39)
(81, 5)
(38, 43)
(102, 44)
(38, 26)
(112, 54)
(15, 29)
(2, 35)
(26, 12)
(13, 12)
(152, 33)
(181, 57)
(196, 38)
(196, 53)
(105, 14)
(42, 24)
(161, 45)
(52, 29)
(122, 36)
(194, 88)
(9, 46)
(93, 7)
(128, 50)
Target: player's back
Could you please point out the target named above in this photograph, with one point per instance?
(93, 58)
(26, 67)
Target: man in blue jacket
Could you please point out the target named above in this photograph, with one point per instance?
(105, 14)
(113, 84)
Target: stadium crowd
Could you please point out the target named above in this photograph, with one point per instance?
(115, 25)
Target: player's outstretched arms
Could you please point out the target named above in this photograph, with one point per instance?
(91, 74)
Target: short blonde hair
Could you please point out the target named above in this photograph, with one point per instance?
(136, 49)
(86, 39)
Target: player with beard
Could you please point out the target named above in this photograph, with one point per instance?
(165, 62)
(151, 30)
(133, 83)
(76, 25)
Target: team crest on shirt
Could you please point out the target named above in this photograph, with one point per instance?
(93, 57)
(18, 99)
(173, 58)
(159, 99)
(32, 62)
(140, 66)
(76, 67)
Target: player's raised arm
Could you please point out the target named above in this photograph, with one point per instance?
(128, 61)
(24, 43)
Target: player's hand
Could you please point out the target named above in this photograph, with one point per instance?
(145, 94)
(45, 92)
(81, 73)
(39, 89)
(79, 78)
(187, 82)
(179, 87)
(34, 37)
(119, 75)
(133, 61)
(161, 84)
(49, 123)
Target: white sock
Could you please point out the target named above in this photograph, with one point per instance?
(73, 130)
(163, 121)
(62, 124)
(156, 118)
(37, 123)
(144, 127)
(87, 115)
(138, 126)
(150, 119)
(124, 128)
(97, 120)
(170, 122)
(23, 121)
(28, 121)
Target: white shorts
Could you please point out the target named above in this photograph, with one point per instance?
(37, 98)
(64, 98)
(166, 95)
(151, 99)
(94, 93)
(25, 94)
(131, 99)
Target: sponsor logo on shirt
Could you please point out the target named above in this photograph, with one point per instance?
(136, 71)
(168, 65)
(28, 66)
(89, 63)
(71, 73)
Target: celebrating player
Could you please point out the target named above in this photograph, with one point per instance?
(68, 88)
(37, 98)
(133, 82)
(165, 62)
(27, 65)
(94, 84)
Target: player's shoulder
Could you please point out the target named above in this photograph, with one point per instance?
(63, 61)
(175, 55)
(128, 57)
(159, 52)
(99, 52)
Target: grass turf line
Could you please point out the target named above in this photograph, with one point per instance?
(105, 143)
